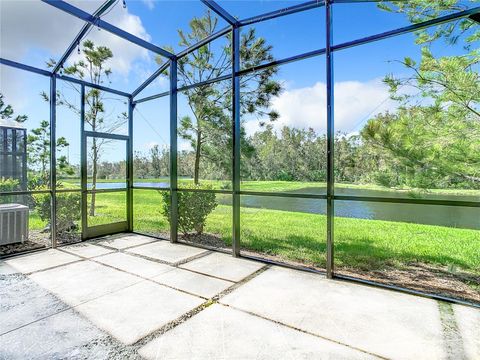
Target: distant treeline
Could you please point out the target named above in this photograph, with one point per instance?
(301, 155)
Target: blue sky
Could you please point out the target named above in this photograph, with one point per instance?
(358, 71)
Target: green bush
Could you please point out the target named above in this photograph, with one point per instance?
(193, 208)
(7, 185)
(68, 210)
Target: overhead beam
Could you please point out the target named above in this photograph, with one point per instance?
(283, 61)
(20, 66)
(212, 5)
(35, 70)
(152, 97)
(76, 42)
(151, 79)
(89, 84)
(203, 42)
(72, 10)
(282, 12)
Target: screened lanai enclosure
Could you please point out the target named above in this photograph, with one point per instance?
(339, 136)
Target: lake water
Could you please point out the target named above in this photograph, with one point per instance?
(453, 216)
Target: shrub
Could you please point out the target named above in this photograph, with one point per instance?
(68, 210)
(7, 185)
(193, 208)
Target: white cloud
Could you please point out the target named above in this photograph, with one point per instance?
(305, 107)
(32, 31)
(150, 4)
(125, 53)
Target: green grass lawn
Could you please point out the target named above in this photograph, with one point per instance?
(359, 243)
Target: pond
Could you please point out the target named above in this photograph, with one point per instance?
(452, 216)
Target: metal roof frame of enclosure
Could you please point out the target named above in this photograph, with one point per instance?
(171, 64)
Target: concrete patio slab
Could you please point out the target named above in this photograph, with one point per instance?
(134, 264)
(223, 266)
(83, 281)
(219, 332)
(279, 313)
(40, 261)
(166, 251)
(136, 311)
(125, 241)
(382, 322)
(65, 335)
(193, 283)
(85, 250)
(468, 323)
(22, 301)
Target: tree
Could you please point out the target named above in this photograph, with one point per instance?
(93, 68)
(209, 132)
(38, 146)
(7, 112)
(159, 161)
(141, 165)
(437, 144)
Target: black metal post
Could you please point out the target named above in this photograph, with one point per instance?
(131, 107)
(330, 140)
(83, 162)
(236, 140)
(173, 153)
(53, 160)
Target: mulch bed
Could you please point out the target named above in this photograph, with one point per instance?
(425, 278)
(10, 249)
(37, 240)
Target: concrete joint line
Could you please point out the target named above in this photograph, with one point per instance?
(452, 338)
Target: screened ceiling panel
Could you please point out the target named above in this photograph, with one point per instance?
(161, 84)
(130, 64)
(290, 35)
(238, 8)
(158, 21)
(28, 34)
(349, 19)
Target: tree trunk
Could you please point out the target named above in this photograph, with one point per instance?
(94, 177)
(196, 174)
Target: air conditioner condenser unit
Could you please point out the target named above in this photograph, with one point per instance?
(13, 223)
